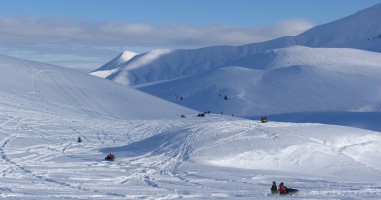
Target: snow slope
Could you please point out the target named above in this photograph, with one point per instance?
(360, 30)
(61, 90)
(364, 120)
(288, 80)
(44, 108)
(210, 158)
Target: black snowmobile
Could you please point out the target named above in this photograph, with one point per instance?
(290, 191)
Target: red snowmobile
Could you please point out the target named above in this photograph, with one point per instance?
(110, 157)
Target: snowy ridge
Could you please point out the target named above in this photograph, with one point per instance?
(111, 66)
(360, 30)
(119, 60)
(56, 88)
(137, 64)
(339, 59)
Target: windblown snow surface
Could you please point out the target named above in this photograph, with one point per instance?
(43, 109)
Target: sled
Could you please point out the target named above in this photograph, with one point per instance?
(292, 191)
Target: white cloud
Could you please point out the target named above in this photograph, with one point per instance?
(33, 33)
(19, 31)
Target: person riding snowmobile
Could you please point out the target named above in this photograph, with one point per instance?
(110, 156)
(282, 189)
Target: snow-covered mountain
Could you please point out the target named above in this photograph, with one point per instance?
(333, 67)
(57, 89)
(360, 30)
(296, 79)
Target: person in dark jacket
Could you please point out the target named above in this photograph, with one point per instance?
(274, 188)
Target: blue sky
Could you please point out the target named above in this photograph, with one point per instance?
(84, 34)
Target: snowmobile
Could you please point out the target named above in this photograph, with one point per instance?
(290, 191)
(282, 190)
(110, 157)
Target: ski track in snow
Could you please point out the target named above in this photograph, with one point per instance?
(161, 173)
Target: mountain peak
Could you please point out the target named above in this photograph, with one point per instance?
(113, 65)
(117, 61)
(355, 31)
(126, 55)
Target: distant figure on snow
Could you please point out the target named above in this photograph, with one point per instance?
(110, 157)
(282, 189)
(274, 188)
(79, 139)
(264, 119)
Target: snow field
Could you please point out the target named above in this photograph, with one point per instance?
(197, 158)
